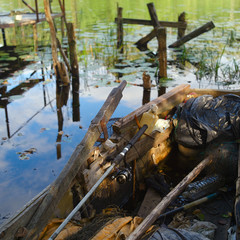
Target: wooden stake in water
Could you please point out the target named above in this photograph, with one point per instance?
(119, 28)
(182, 19)
(162, 52)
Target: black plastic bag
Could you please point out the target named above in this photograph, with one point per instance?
(204, 119)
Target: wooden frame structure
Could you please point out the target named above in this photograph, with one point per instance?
(159, 31)
(22, 19)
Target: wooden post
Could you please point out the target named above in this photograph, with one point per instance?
(119, 29)
(205, 28)
(75, 102)
(153, 15)
(162, 52)
(36, 7)
(72, 50)
(152, 217)
(4, 37)
(63, 17)
(35, 37)
(182, 19)
(161, 36)
(146, 88)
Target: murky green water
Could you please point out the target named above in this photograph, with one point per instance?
(31, 157)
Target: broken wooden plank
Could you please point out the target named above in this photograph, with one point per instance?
(38, 219)
(149, 23)
(214, 92)
(165, 103)
(205, 28)
(22, 217)
(150, 201)
(152, 217)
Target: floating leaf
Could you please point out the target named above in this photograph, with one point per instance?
(44, 129)
(30, 151)
(24, 157)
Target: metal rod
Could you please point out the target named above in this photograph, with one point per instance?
(189, 205)
(116, 161)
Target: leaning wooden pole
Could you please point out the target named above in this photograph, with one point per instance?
(205, 28)
(152, 217)
(76, 161)
(59, 67)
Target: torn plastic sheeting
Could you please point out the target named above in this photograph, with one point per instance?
(205, 118)
(164, 233)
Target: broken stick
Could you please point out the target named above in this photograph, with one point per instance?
(205, 28)
(152, 217)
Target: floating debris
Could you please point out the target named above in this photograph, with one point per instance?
(25, 155)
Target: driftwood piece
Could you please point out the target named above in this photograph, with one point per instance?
(165, 103)
(78, 158)
(152, 217)
(237, 200)
(205, 28)
(149, 23)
